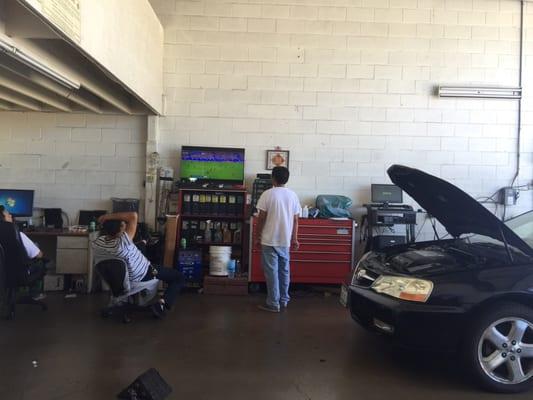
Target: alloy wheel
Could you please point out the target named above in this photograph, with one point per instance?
(505, 351)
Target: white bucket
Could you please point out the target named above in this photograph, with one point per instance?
(218, 260)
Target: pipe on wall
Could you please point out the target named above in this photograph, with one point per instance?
(520, 78)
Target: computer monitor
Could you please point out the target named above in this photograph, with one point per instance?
(86, 216)
(18, 203)
(382, 193)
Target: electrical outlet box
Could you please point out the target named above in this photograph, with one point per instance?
(508, 196)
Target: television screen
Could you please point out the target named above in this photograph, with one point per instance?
(212, 164)
(386, 193)
(19, 203)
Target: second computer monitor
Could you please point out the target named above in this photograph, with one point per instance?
(86, 216)
(382, 193)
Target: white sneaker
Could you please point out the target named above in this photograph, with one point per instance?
(268, 308)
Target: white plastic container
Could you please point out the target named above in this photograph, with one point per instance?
(305, 212)
(218, 260)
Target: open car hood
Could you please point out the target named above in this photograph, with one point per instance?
(454, 209)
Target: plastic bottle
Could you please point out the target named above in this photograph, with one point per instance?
(231, 269)
(218, 234)
(207, 233)
(92, 225)
(305, 212)
(237, 267)
(226, 234)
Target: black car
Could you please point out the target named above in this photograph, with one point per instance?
(471, 292)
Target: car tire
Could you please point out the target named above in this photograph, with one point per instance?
(494, 365)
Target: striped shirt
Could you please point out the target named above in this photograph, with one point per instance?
(124, 249)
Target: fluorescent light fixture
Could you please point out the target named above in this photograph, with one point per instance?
(484, 92)
(38, 66)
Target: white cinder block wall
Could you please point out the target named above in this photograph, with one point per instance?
(345, 85)
(348, 87)
(73, 161)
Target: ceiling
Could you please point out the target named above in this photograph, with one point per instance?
(40, 71)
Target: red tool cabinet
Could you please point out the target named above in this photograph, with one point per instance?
(326, 253)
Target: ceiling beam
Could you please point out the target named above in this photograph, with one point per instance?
(86, 100)
(26, 88)
(62, 58)
(5, 106)
(20, 100)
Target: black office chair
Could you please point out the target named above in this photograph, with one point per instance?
(16, 270)
(125, 296)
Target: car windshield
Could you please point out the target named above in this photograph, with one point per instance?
(521, 225)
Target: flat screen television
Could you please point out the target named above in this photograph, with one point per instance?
(212, 165)
(17, 202)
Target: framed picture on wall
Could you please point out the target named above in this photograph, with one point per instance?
(277, 158)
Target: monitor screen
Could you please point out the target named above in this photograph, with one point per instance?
(386, 194)
(86, 216)
(204, 164)
(19, 203)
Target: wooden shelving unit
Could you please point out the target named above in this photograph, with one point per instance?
(209, 217)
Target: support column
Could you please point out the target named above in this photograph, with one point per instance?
(152, 163)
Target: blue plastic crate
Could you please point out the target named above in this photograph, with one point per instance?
(190, 266)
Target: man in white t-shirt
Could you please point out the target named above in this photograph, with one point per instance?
(35, 255)
(277, 232)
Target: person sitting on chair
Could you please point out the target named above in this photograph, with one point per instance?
(116, 242)
(35, 255)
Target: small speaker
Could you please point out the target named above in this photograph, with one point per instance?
(148, 386)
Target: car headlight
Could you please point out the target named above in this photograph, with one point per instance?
(410, 289)
(356, 269)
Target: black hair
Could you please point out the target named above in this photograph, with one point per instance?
(2, 216)
(111, 227)
(280, 175)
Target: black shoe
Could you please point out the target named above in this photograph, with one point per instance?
(158, 310)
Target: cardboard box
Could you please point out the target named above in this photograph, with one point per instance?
(54, 282)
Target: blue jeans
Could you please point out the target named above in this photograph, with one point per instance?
(172, 277)
(277, 274)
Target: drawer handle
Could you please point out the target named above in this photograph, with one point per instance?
(322, 235)
(326, 243)
(325, 226)
(319, 262)
(322, 252)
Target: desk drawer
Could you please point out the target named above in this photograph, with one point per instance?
(72, 261)
(72, 242)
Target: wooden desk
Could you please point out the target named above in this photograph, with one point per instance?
(71, 251)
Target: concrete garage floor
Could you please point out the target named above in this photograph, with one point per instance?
(216, 348)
